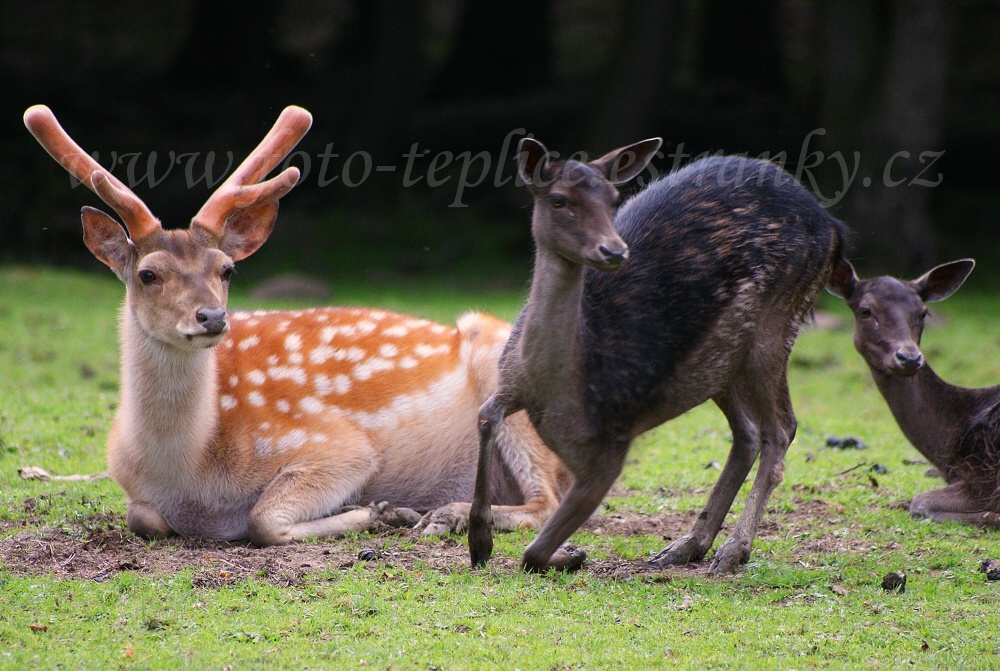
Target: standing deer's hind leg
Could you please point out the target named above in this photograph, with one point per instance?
(777, 430)
(746, 444)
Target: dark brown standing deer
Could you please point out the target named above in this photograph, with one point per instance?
(715, 267)
(957, 429)
(271, 425)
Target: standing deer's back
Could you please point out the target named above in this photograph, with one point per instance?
(723, 246)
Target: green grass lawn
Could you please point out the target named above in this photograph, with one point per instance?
(809, 598)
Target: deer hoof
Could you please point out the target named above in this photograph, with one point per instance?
(568, 559)
(728, 559)
(395, 517)
(480, 550)
(684, 550)
(452, 518)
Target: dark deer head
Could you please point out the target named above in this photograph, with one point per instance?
(575, 202)
(889, 313)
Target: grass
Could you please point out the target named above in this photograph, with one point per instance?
(809, 598)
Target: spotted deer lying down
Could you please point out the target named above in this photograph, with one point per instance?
(272, 426)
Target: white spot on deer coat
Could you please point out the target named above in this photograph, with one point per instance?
(248, 342)
(321, 354)
(323, 384)
(365, 326)
(423, 351)
(263, 446)
(291, 440)
(311, 406)
(255, 398)
(295, 358)
(294, 373)
(352, 354)
(341, 384)
(293, 342)
(366, 369)
(407, 362)
(233, 381)
(388, 350)
(282, 405)
(397, 331)
(257, 377)
(227, 402)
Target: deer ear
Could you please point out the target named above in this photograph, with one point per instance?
(843, 280)
(532, 160)
(106, 239)
(624, 163)
(248, 229)
(944, 280)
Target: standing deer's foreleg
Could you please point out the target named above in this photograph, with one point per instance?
(297, 503)
(491, 416)
(746, 444)
(576, 507)
(777, 430)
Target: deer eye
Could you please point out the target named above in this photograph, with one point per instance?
(865, 313)
(147, 276)
(227, 273)
(557, 200)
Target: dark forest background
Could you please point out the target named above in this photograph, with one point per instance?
(865, 78)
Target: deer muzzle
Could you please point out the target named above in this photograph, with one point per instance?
(611, 255)
(213, 320)
(908, 360)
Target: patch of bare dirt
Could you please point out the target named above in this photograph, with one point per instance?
(99, 546)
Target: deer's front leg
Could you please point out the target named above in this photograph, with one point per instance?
(491, 416)
(146, 521)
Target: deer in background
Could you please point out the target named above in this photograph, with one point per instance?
(715, 267)
(267, 425)
(957, 429)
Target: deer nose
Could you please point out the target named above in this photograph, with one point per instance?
(910, 359)
(614, 257)
(212, 320)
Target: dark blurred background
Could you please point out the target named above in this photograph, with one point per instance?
(905, 93)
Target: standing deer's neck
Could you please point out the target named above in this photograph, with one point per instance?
(169, 397)
(550, 342)
(930, 412)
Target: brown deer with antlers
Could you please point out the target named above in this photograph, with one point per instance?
(270, 425)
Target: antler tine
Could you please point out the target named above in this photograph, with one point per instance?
(241, 189)
(42, 124)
